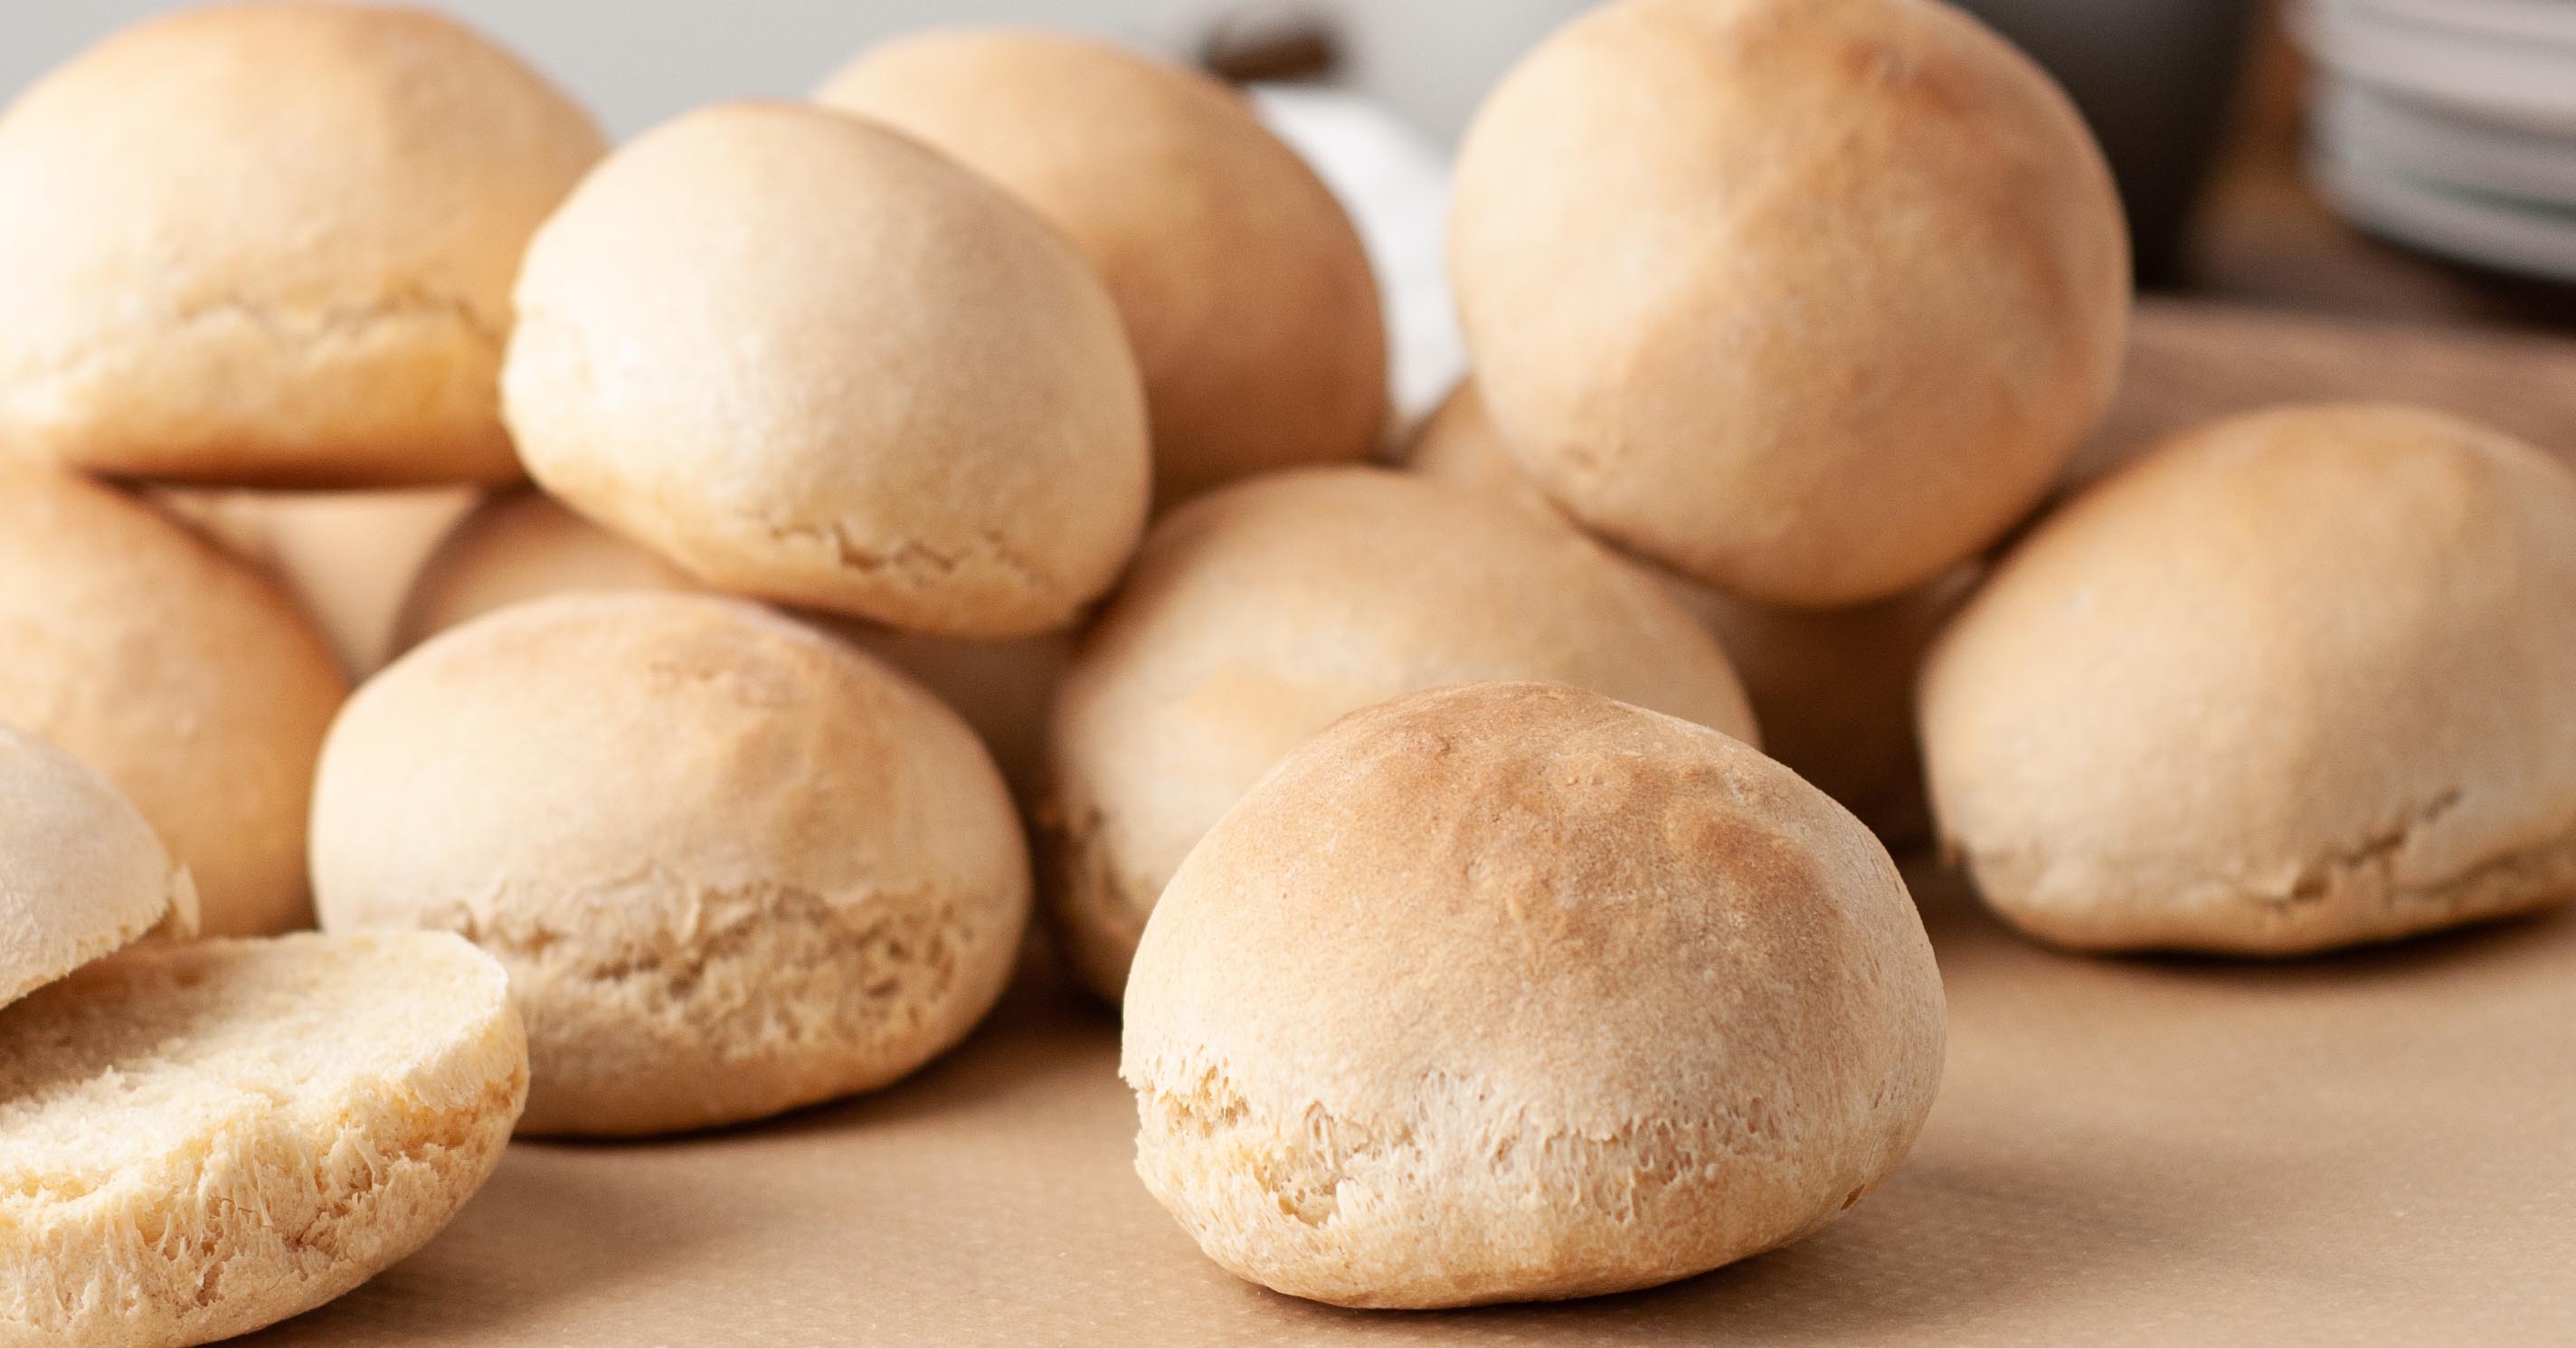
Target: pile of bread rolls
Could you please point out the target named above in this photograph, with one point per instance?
(958, 497)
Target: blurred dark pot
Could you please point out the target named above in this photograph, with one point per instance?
(2155, 79)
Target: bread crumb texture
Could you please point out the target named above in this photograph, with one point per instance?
(1513, 992)
(199, 1140)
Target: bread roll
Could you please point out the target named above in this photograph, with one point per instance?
(181, 676)
(1241, 281)
(811, 361)
(201, 1140)
(2301, 679)
(1509, 991)
(1258, 614)
(733, 865)
(348, 556)
(1806, 299)
(271, 244)
(80, 872)
(522, 545)
(1833, 689)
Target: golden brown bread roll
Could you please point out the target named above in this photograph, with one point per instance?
(733, 865)
(1806, 299)
(271, 244)
(811, 361)
(1509, 991)
(2300, 679)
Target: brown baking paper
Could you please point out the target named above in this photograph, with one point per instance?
(2372, 1148)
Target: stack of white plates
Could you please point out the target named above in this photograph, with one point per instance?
(2450, 124)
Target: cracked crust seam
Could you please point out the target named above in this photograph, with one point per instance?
(1194, 1119)
(910, 559)
(902, 953)
(2359, 878)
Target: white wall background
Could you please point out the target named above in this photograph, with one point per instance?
(639, 61)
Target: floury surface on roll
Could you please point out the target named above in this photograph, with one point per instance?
(200, 1140)
(1806, 299)
(1832, 688)
(1241, 282)
(812, 361)
(519, 546)
(81, 874)
(733, 865)
(271, 244)
(1508, 992)
(2301, 679)
(1258, 614)
(193, 684)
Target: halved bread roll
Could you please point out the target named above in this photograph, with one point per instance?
(199, 1140)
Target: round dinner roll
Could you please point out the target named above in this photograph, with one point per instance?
(2301, 679)
(1258, 614)
(81, 874)
(205, 1139)
(348, 556)
(271, 244)
(179, 674)
(1507, 992)
(1242, 283)
(1806, 299)
(519, 546)
(1833, 689)
(812, 361)
(733, 865)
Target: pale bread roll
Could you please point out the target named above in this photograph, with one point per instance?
(1241, 281)
(810, 360)
(733, 865)
(2301, 679)
(1259, 613)
(179, 674)
(1509, 991)
(347, 556)
(81, 874)
(1806, 299)
(1833, 689)
(271, 244)
(200, 1140)
(519, 546)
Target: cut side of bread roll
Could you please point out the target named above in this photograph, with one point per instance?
(199, 1140)
(81, 874)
